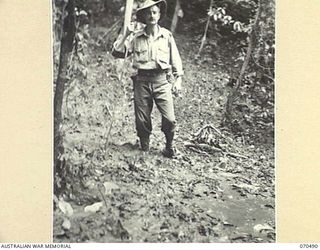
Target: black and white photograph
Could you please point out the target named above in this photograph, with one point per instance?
(163, 115)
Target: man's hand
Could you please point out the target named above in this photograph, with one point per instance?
(176, 86)
(119, 43)
(129, 30)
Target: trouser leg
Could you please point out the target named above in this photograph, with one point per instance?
(164, 101)
(169, 139)
(143, 104)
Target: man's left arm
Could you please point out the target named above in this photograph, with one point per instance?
(176, 64)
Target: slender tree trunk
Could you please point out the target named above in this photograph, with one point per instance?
(204, 38)
(175, 17)
(235, 92)
(68, 34)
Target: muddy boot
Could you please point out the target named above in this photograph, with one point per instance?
(169, 151)
(144, 143)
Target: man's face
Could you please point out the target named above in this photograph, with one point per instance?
(152, 15)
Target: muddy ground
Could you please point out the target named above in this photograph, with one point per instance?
(221, 193)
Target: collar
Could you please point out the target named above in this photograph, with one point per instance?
(161, 32)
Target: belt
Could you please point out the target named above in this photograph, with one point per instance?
(151, 72)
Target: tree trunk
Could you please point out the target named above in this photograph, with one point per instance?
(204, 38)
(68, 34)
(175, 17)
(234, 93)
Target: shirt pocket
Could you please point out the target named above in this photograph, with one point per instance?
(141, 54)
(163, 54)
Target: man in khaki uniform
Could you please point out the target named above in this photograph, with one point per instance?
(156, 57)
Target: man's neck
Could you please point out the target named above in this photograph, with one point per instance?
(152, 30)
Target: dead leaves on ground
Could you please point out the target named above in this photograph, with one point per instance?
(251, 175)
(148, 202)
(122, 195)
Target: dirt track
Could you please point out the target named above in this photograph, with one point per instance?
(143, 197)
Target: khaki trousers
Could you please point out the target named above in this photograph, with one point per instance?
(147, 91)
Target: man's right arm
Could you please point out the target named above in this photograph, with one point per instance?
(122, 47)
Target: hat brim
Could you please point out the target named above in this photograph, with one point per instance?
(140, 11)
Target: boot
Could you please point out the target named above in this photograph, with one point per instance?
(144, 143)
(169, 151)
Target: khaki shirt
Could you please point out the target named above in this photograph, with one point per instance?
(159, 52)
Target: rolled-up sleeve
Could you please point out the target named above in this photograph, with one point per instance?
(176, 62)
(125, 49)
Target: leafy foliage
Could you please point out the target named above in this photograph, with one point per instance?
(228, 33)
(255, 106)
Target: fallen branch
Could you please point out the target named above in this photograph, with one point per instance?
(194, 149)
(209, 126)
(202, 147)
(209, 148)
(269, 77)
(102, 195)
(236, 155)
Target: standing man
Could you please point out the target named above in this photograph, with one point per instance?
(156, 58)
